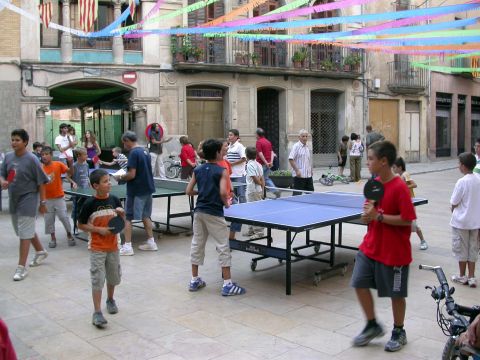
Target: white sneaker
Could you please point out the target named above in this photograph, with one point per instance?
(38, 258)
(126, 251)
(148, 246)
(423, 245)
(21, 273)
(460, 279)
(472, 282)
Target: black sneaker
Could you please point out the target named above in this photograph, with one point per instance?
(98, 320)
(112, 306)
(396, 342)
(368, 334)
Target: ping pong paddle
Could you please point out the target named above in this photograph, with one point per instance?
(11, 175)
(373, 190)
(116, 224)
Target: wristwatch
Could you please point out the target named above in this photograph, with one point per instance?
(43, 202)
(380, 217)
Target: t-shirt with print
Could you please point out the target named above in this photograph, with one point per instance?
(98, 212)
(465, 197)
(235, 152)
(390, 244)
(63, 142)
(253, 169)
(142, 184)
(25, 175)
(54, 171)
(357, 148)
(81, 175)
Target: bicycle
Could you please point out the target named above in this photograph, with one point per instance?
(329, 178)
(172, 167)
(456, 324)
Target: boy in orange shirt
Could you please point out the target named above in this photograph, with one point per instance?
(55, 197)
(96, 212)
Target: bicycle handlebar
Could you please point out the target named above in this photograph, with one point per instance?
(449, 302)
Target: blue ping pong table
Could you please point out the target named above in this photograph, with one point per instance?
(294, 215)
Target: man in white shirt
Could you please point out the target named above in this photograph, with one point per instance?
(64, 144)
(300, 160)
(237, 159)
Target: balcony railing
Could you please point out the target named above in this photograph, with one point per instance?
(250, 55)
(104, 43)
(406, 79)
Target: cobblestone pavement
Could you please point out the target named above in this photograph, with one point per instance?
(49, 313)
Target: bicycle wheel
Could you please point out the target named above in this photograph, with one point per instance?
(451, 351)
(171, 171)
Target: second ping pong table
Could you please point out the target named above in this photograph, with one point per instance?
(163, 188)
(294, 215)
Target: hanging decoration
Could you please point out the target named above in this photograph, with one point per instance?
(87, 13)
(132, 5)
(45, 10)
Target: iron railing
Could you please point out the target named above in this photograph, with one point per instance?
(403, 77)
(265, 54)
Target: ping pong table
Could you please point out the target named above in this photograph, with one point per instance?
(295, 215)
(163, 188)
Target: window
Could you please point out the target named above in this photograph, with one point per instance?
(50, 38)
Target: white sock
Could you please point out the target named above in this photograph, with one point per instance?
(194, 278)
(227, 282)
(151, 240)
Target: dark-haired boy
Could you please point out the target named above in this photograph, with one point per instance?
(384, 256)
(55, 196)
(22, 174)
(465, 221)
(102, 243)
(211, 180)
(37, 150)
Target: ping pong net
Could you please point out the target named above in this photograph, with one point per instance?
(347, 200)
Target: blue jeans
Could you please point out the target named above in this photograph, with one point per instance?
(240, 191)
(268, 182)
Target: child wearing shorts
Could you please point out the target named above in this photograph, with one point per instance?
(400, 168)
(255, 186)
(56, 205)
(22, 174)
(385, 253)
(465, 221)
(208, 220)
(96, 212)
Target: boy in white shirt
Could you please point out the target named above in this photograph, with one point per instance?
(255, 186)
(465, 220)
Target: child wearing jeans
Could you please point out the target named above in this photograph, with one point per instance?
(96, 212)
(255, 186)
(55, 197)
(211, 180)
(399, 168)
(465, 220)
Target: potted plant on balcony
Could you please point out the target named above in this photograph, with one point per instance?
(282, 178)
(352, 62)
(196, 53)
(255, 58)
(176, 49)
(327, 65)
(299, 57)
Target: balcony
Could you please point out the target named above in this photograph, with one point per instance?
(405, 79)
(197, 54)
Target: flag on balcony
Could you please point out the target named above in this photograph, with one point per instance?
(88, 10)
(45, 11)
(132, 5)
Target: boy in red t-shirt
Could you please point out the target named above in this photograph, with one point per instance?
(54, 195)
(187, 157)
(384, 256)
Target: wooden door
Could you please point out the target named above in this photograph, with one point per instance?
(204, 120)
(383, 116)
(412, 140)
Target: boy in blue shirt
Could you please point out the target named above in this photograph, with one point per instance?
(211, 180)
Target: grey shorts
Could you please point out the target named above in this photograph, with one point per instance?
(390, 281)
(24, 226)
(138, 207)
(465, 244)
(104, 265)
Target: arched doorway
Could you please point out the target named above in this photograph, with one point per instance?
(205, 117)
(98, 106)
(268, 116)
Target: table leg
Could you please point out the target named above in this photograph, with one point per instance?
(332, 244)
(289, 264)
(168, 213)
